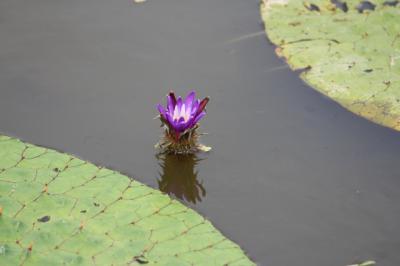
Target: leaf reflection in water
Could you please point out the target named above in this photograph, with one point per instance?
(178, 177)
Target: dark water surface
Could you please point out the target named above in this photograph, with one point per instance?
(293, 178)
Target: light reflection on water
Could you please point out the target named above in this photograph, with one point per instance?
(178, 176)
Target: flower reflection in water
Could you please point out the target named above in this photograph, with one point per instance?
(178, 177)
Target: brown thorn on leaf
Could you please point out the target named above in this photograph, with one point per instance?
(82, 225)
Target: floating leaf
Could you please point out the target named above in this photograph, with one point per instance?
(351, 54)
(366, 263)
(58, 209)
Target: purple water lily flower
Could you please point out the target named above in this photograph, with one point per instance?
(181, 115)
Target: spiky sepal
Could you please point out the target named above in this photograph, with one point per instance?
(186, 142)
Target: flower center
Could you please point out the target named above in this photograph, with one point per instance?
(182, 113)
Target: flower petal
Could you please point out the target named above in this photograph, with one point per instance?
(190, 98)
(178, 106)
(180, 126)
(161, 110)
(183, 111)
(173, 97)
(170, 104)
(170, 119)
(202, 105)
(195, 106)
(197, 118)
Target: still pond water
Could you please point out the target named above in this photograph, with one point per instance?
(293, 178)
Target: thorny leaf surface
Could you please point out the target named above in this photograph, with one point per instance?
(348, 50)
(56, 209)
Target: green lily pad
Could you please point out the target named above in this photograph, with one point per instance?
(365, 263)
(348, 50)
(56, 209)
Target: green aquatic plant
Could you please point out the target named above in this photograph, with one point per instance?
(348, 50)
(56, 209)
(180, 121)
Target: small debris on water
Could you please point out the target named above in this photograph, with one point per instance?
(294, 24)
(140, 259)
(365, 6)
(391, 3)
(44, 219)
(204, 148)
(312, 7)
(341, 5)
